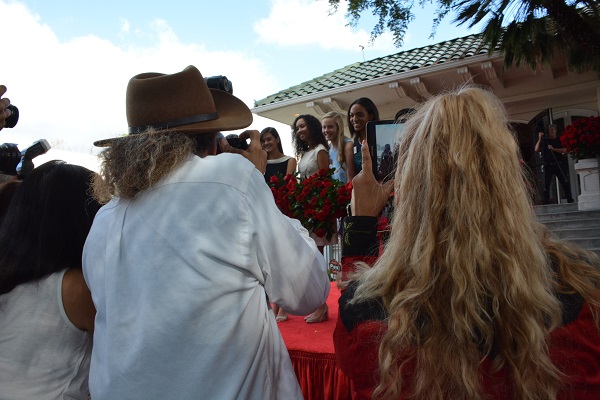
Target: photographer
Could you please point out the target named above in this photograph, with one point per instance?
(180, 262)
(554, 162)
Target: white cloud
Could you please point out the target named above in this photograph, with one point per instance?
(72, 93)
(309, 22)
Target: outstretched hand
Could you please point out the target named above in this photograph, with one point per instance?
(255, 154)
(369, 196)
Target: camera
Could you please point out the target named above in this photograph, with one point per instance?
(235, 141)
(219, 82)
(15, 162)
(11, 121)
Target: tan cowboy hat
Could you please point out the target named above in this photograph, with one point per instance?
(180, 102)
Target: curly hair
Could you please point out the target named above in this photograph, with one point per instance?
(137, 162)
(467, 271)
(315, 131)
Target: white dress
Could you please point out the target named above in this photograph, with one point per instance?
(308, 164)
(180, 277)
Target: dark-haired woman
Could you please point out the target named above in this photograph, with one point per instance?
(313, 151)
(361, 111)
(46, 310)
(277, 162)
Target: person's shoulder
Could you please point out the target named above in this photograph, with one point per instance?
(353, 314)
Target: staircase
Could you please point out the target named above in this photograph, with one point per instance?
(568, 223)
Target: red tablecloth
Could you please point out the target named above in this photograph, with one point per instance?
(311, 350)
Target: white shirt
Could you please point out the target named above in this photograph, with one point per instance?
(42, 354)
(179, 276)
(308, 164)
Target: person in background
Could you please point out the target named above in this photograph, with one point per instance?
(340, 147)
(46, 310)
(312, 150)
(277, 162)
(183, 260)
(361, 111)
(310, 145)
(554, 162)
(471, 297)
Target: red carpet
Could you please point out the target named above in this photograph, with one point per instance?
(313, 357)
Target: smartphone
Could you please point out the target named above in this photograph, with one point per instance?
(383, 138)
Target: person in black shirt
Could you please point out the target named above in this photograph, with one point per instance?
(555, 162)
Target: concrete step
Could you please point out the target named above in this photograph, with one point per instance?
(569, 215)
(558, 224)
(577, 233)
(555, 208)
(566, 222)
(585, 243)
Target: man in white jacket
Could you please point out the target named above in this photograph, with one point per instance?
(183, 260)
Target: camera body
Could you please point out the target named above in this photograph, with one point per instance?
(20, 163)
(235, 141)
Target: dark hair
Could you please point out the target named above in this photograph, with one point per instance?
(315, 131)
(7, 191)
(371, 108)
(403, 114)
(273, 133)
(46, 224)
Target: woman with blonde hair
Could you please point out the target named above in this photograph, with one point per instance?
(471, 298)
(340, 146)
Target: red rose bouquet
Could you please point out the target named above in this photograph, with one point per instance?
(315, 201)
(582, 138)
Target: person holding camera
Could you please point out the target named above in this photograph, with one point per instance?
(471, 297)
(554, 162)
(181, 261)
(46, 309)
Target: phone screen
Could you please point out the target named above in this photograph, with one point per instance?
(383, 138)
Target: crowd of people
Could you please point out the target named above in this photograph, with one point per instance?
(165, 275)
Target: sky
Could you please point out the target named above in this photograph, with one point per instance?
(66, 63)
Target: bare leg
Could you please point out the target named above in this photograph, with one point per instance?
(321, 313)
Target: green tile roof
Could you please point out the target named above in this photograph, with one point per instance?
(439, 53)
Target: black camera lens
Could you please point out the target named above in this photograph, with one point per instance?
(11, 121)
(219, 82)
(10, 156)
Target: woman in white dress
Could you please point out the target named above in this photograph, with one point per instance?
(313, 152)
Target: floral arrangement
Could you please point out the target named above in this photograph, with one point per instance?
(315, 201)
(582, 138)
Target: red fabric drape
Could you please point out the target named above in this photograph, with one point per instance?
(320, 377)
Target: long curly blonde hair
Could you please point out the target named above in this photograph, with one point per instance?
(466, 273)
(137, 162)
